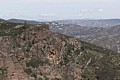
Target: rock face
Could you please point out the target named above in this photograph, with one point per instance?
(39, 54)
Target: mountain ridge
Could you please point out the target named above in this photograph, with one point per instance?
(34, 52)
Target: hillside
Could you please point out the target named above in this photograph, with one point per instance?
(106, 37)
(33, 52)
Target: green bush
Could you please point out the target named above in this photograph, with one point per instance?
(34, 63)
(28, 71)
(34, 75)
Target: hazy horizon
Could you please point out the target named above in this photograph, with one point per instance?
(59, 9)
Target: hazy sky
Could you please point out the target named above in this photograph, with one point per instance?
(59, 9)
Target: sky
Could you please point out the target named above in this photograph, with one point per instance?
(59, 9)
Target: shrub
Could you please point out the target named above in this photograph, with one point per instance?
(28, 71)
(34, 63)
(34, 75)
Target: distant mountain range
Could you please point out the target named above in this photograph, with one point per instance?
(1, 19)
(82, 22)
(92, 23)
(22, 21)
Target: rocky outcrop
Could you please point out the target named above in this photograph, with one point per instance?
(39, 54)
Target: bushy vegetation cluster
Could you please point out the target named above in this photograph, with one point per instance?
(11, 29)
(34, 62)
